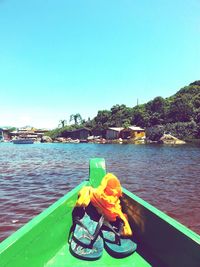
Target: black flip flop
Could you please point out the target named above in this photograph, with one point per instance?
(117, 245)
(85, 240)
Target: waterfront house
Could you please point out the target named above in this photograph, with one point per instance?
(29, 132)
(81, 134)
(99, 132)
(41, 132)
(113, 133)
(132, 132)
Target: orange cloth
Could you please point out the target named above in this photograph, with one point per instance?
(105, 198)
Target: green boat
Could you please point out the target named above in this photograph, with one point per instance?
(161, 240)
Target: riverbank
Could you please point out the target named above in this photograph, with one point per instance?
(165, 139)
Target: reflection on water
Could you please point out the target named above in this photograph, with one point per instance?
(33, 176)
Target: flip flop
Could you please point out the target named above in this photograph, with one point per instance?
(85, 240)
(117, 245)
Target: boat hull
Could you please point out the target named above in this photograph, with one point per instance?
(22, 141)
(161, 240)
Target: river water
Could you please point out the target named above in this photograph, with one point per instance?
(34, 176)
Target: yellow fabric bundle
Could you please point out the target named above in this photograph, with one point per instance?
(105, 198)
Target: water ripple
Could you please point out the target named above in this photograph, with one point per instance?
(32, 177)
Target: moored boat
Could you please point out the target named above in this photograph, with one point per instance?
(23, 141)
(162, 241)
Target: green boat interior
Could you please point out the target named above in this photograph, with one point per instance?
(43, 241)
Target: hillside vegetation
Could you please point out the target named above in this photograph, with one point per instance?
(178, 114)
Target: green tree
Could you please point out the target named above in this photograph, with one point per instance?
(62, 123)
(126, 124)
(180, 110)
(76, 118)
(156, 105)
(119, 114)
(156, 110)
(154, 133)
(197, 101)
(101, 121)
(140, 116)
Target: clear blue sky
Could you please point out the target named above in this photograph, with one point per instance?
(63, 57)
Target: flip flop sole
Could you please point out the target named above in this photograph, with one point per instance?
(118, 250)
(80, 244)
(85, 253)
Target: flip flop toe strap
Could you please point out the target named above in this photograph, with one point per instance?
(88, 235)
(118, 233)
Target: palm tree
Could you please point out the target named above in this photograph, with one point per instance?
(76, 118)
(62, 123)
